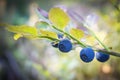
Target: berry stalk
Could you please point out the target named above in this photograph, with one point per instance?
(109, 52)
(80, 43)
(50, 38)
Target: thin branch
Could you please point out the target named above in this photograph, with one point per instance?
(109, 52)
(80, 43)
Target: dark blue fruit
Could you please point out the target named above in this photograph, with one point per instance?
(102, 57)
(60, 36)
(54, 44)
(87, 54)
(65, 45)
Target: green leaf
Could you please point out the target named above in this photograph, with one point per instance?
(77, 33)
(59, 18)
(48, 33)
(23, 29)
(41, 25)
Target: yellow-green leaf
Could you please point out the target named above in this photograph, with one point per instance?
(90, 40)
(17, 36)
(23, 29)
(59, 18)
(31, 36)
(77, 33)
(48, 33)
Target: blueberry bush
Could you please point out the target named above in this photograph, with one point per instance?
(57, 27)
(59, 39)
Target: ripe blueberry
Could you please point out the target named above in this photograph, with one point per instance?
(87, 54)
(102, 57)
(60, 36)
(65, 45)
(54, 44)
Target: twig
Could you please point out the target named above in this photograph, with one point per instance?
(109, 52)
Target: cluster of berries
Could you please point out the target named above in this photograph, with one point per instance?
(86, 54)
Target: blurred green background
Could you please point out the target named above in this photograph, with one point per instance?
(36, 60)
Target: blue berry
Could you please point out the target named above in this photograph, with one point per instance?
(65, 45)
(87, 54)
(54, 44)
(102, 57)
(60, 36)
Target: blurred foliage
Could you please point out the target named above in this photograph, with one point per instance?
(37, 60)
